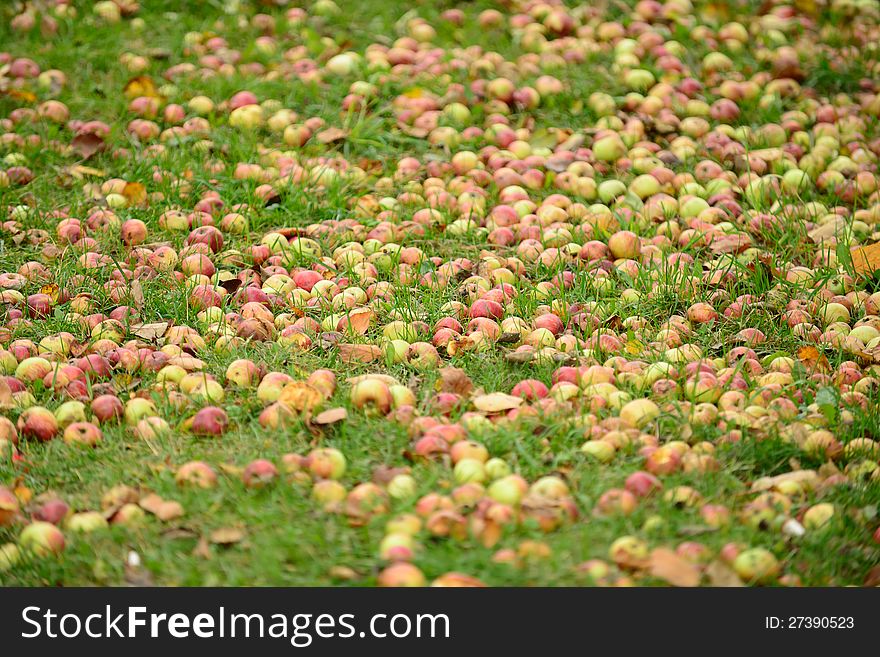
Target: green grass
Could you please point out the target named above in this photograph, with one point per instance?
(287, 538)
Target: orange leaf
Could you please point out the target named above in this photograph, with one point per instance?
(135, 193)
(811, 358)
(668, 566)
(357, 320)
(23, 96)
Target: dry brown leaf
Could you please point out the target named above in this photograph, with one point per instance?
(873, 577)
(227, 535)
(152, 331)
(668, 566)
(300, 396)
(455, 380)
(520, 357)
(137, 294)
(202, 549)
(720, 574)
(362, 353)
(86, 145)
(330, 416)
(730, 243)
(382, 474)
(330, 135)
(496, 402)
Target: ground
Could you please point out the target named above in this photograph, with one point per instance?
(645, 211)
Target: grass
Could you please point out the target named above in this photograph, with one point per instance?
(287, 539)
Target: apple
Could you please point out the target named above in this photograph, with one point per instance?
(107, 408)
(53, 511)
(372, 395)
(401, 574)
(37, 423)
(259, 473)
(209, 421)
(138, 408)
(756, 565)
(41, 539)
(10, 555)
(82, 433)
(8, 506)
(86, 522)
(325, 463)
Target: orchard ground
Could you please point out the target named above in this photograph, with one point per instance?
(616, 201)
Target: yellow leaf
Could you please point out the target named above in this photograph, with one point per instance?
(142, 85)
(52, 290)
(496, 401)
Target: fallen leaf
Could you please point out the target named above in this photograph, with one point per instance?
(169, 510)
(509, 338)
(668, 566)
(21, 95)
(357, 320)
(873, 577)
(51, 290)
(231, 285)
(496, 402)
(330, 416)
(86, 145)
(382, 474)
(227, 536)
(729, 243)
(151, 503)
(152, 331)
(135, 193)
(363, 353)
(812, 358)
(178, 533)
(330, 135)
(202, 549)
(455, 380)
(142, 85)
(137, 294)
(720, 574)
